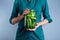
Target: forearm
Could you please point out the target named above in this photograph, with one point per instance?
(17, 19)
(43, 22)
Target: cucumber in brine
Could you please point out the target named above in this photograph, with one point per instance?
(31, 19)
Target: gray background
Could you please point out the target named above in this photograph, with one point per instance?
(8, 31)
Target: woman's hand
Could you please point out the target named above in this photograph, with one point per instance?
(34, 28)
(45, 21)
(17, 19)
(25, 12)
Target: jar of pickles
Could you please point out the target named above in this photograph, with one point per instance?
(31, 19)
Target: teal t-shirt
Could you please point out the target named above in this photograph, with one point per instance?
(41, 9)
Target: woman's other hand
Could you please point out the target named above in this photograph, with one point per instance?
(34, 28)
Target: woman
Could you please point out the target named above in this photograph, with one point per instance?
(23, 7)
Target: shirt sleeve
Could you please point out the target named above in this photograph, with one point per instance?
(14, 11)
(45, 11)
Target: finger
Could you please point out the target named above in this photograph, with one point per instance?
(31, 29)
(27, 11)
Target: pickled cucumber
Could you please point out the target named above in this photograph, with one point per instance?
(31, 19)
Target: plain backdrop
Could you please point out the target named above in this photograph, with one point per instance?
(8, 31)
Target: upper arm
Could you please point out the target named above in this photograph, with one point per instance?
(45, 11)
(14, 11)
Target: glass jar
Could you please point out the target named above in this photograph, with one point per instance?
(31, 19)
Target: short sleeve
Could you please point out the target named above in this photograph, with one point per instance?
(45, 11)
(14, 11)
